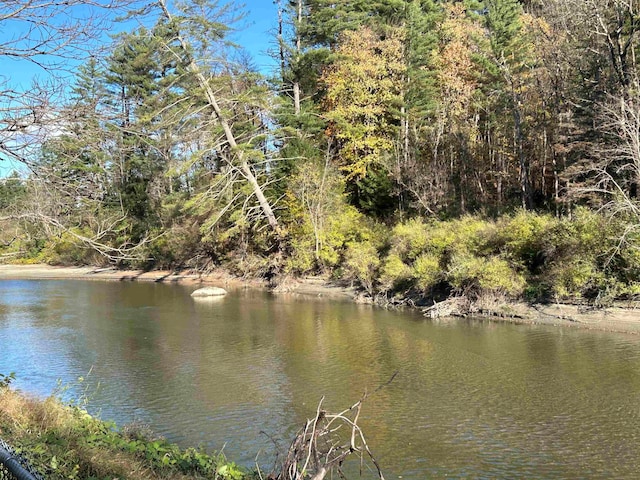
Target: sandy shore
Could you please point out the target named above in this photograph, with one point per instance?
(310, 286)
(96, 273)
(619, 319)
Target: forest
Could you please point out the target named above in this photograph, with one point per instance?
(417, 149)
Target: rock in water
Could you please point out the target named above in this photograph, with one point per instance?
(209, 292)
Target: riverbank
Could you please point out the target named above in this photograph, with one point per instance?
(48, 272)
(62, 441)
(619, 318)
(622, 319)
(305, 286)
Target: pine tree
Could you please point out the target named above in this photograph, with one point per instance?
(12, 189)
(233, 100)
(509, 62)
(419, 90)
(76, 160)
(137, 77)
(300, 126)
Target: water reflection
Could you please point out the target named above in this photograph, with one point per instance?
(472, 398)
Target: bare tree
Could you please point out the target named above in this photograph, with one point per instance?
(52, 35)
(609, 28)
(51, 38)
(613, 171)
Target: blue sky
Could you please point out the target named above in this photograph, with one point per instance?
(262, 17)
(255, 36)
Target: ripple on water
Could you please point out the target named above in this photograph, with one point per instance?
(471, 400)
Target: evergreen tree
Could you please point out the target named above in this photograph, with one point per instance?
(419, 92)
(233, 99)
(12, 189)
(76, 160)
(510, 61)
(300, 126)
(138, 78)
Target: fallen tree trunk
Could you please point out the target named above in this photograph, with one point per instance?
(244, 166)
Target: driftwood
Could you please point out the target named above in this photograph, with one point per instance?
(452, 307)
(322, 445)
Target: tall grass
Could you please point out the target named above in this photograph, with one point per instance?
(65, 442)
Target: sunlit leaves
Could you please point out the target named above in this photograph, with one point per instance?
(363, 96)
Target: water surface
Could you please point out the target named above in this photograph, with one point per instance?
(472, 399)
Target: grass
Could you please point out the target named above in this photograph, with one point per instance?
(65, 442)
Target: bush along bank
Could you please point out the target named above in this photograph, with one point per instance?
(64, 442)
(526, 256)
(58, 441)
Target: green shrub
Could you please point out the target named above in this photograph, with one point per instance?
(395, 274)
(469, 235)
(410, 239)
(319, 220)
(523, 231)
(174, 247)
(68, 249)
(301, 237)
(572, 278)
(361, 263)
(631, 290)
(344, 227)
(582, 258)
(7, 380)
(421, 253)
(523, 238)
(471, 274)
(302, 258)
(338, 229)
(628, 268)
(427, 270)
(65, 442)
(592, 231)
(323, 245)
(585, 235)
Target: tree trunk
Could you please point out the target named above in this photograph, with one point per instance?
(296, 83)
(245, 168)
(525, 185)
(281, 40)
(296, 98)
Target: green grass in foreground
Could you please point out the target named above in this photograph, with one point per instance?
(65, 442)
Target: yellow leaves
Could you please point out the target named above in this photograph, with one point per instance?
(547, 45)
(539, 24)
(454, 60)
(362, 88)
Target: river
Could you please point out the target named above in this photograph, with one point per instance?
(472, 398)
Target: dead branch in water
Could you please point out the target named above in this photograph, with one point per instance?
(323, 444)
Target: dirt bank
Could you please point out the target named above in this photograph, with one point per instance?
(614, 319)
(621, 318)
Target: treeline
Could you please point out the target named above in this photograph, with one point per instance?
(382, 117)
